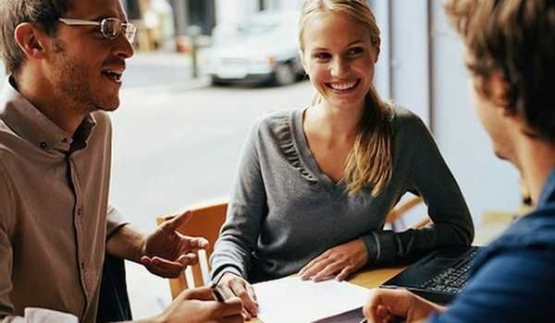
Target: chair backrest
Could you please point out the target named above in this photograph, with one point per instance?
(403, 207)
(206, 222)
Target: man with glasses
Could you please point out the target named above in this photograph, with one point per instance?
(65, 60)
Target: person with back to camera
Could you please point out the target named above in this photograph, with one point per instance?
(510, 53)
(315, 185)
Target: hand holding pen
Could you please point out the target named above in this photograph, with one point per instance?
(231, 285)
(217, 294)
(200, 305)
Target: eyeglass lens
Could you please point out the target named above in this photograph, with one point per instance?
(111, 28)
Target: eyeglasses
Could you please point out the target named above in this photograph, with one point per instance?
(110, 28)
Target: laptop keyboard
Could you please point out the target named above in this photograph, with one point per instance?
(453, 279)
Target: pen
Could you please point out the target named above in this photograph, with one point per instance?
(217, 294)
(395, 320)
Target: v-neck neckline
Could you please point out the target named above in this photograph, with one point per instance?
(306, 154)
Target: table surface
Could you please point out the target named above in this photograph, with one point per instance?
(373, 278)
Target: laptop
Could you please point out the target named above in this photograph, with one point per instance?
(439, 276)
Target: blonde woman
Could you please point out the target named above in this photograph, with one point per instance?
(315, 185)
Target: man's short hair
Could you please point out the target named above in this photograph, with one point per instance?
(517, 39)
(42, 13)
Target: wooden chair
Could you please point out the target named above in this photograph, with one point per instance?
(401, 210)
(206, 222)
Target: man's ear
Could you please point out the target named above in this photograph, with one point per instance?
(30, 40)
(499, 90)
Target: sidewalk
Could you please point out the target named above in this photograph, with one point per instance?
(161, 70)
(160, 58)
(149, 295)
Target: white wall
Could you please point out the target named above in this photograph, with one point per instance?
(488, 183)
(409, 56)
(382, 80)
(402, 72)
(421, 68)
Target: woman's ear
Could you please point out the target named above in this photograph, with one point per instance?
(301, 57)
(30, 40)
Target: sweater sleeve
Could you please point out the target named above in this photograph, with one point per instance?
(429, 177)
(247, 207)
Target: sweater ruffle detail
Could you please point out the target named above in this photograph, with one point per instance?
(284, 134)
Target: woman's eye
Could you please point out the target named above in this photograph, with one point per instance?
(355, 51)
(322, 56)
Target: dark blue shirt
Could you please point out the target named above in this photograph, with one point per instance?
(514, 277)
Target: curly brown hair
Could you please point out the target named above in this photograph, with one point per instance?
(517, 39)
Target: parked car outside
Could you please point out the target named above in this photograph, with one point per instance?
(262, 50)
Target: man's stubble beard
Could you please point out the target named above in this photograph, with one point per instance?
(74, 83)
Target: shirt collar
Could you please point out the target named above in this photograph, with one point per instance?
(30, 124)
(548, 191)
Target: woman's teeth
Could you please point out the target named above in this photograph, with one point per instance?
(343, 86)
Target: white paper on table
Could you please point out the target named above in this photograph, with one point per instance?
(293, 300)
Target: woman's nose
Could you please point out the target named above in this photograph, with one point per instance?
(339, 67)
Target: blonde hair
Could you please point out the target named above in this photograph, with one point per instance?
(370, 160)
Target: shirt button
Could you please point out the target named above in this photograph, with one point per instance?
(43, 144)
(83, 265)
(79, 211)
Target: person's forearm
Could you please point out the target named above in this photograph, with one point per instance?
(126, 243)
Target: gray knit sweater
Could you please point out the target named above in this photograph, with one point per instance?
(284, 211)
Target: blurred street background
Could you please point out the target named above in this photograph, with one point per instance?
(178, 137)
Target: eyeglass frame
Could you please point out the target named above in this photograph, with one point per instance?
(128, 29)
